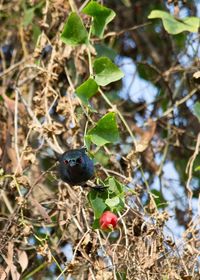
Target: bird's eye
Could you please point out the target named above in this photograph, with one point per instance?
(65, 161)
(79, 160)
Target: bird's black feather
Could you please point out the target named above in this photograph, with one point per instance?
(75, 167)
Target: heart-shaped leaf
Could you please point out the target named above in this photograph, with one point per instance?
(86, 90)
(97, 203)
(74, 32)
(102, 16)
(176, 26)
(105, 131)
(106, 71)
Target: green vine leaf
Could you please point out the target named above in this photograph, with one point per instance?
(86, 90)
(106, 72)
(30, 13)
(105, 131)
(102, 16)
(112, 202)
(176, 26)
(97, 203)
(111, 198)
(159, 199)
(74, 32)
(197, 110)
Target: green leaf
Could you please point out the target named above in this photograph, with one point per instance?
(74, 32)
(102, 16)
(180, 40)
(30, 13)
(159, 199)
(104, 50)
(116, 190)
(97, 202)
(87, 141)
(36, 33)
(196, 165)
(96, 224)
(101, 157)
(86, 90)
(112, 202)
(114, 186)
(165, 277)
(105, 131)
(121, 275)
(28, 16)
(176, 26)
(106, 71)
(197, 110)
(146, 72)
(197, 168)
(111, 198)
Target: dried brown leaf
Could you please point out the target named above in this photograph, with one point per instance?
(42, 211)
(146, 137)
(3, 273)
(9, 260)
(22, 259)
(196, 75)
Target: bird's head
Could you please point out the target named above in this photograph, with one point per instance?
(73, 158)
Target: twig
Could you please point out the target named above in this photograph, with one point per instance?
(179, 102)
(73, 6)
(125, 229)
(189, 171)
(7, 202)
(16, 133)
(14, 66)
(74, 255)
(83, 5)
(112, 34)
(55, 146)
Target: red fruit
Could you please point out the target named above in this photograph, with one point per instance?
(108, 220)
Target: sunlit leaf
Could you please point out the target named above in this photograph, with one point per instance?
(86, 90)
(28, 16)
(112, 202)
(175, 26)
(97, 203)
(114, 186)
(197, 110)
(106, 72)
(102, 16)
(30, 13)
(74, 32)
(101, 157)
(105, 131)
(36, 32)
(197, 168)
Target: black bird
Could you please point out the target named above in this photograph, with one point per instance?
(76, 167)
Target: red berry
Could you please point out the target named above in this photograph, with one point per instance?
(108, 220)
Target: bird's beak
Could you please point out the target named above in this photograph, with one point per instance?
(72, 163)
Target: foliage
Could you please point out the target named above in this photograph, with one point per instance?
(176, 26)
(110, 76)
(101, 15)
(105, 131)
(86, 90)
(74, 32)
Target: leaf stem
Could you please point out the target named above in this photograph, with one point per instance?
(88, 50)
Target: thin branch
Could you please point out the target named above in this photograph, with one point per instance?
(188, 170)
